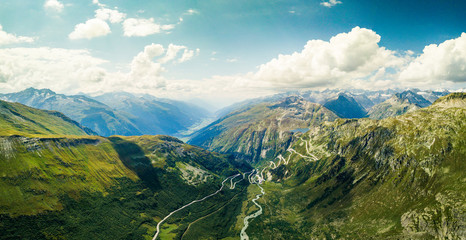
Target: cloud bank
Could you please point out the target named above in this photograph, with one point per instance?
(73, 71)
(347, 56)
(352, 59)
(438, 63)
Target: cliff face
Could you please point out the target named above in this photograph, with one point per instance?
(261, 131)
(400, 177)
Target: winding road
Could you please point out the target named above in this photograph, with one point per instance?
(187, 205)
(255, 177)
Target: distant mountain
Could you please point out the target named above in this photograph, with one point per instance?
(261, 131)
(365, 98)
(153, 115)
(90, 113)
(116, 113)
(346, 107)
(431, 96)
(398, 104)
(16, 118)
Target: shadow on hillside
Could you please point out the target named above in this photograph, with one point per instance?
(133, 157)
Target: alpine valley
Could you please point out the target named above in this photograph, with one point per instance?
(286, 166)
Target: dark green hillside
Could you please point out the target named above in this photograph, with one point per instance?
(18, 119)
(263, 130)
(398, 178)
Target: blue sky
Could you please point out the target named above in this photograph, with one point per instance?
(229, 46)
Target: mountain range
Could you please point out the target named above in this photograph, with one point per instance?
(287, 168)
(398, 104)
(116, 113)
(396, 178)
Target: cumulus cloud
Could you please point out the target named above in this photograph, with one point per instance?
(141, 27)
(53, 5)
(90, 29)
(330, 3)
(112, 15)
(8, 38)
(144, 70)
(346, 56)
(438, 63)
(55, 68)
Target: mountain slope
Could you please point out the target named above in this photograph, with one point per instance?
(397, 178)
(154, 115)
(16, 118)
(398, 104)
(91, 187)
(345, 106)
(88, 112)
(263, 130)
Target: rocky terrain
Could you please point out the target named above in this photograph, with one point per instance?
(261, 131)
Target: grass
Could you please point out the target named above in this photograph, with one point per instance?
(18, 119)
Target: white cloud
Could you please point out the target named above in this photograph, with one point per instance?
(144, 71)
(191, 12)
(96, 2)
(92, 28)
(330, 3)
(8, 38)
(53, 5)
(188, 54)
(439, 63)
(112, 15)
(172, 51)
(72, 71)
(59, 69)
(346, 56)
(141, 27)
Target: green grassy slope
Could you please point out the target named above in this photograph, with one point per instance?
(263, 130)
(396, 178)
(90, 187)
(18, 119)
(120, 187)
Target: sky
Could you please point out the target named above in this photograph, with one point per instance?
(225, 51)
